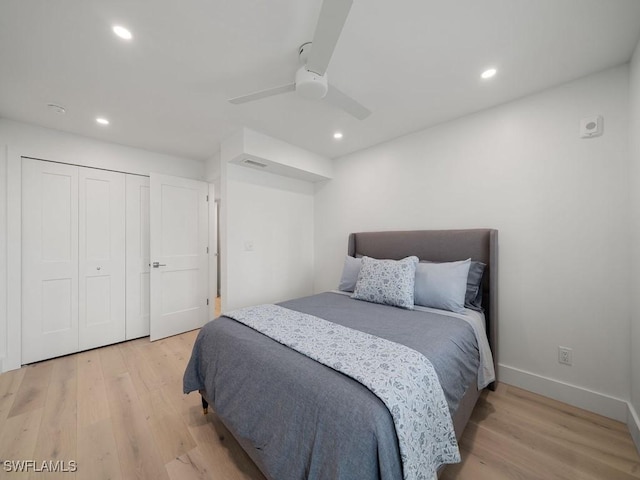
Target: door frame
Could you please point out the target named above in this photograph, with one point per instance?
(213, 250)
(11, 359)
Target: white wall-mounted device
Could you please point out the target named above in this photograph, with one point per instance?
(591, 126)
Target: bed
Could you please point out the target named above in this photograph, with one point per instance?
(298, 418)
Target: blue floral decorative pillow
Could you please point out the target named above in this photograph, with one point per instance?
(389, 282)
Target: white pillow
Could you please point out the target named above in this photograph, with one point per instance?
(442, 285)
(350, 273)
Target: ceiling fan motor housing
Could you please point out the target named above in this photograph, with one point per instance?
(310, 85)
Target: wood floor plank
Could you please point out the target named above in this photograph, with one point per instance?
(537, 401)
(174, 350)
(473, 467)
(509, 460)
(585, 438)
(112, 362)
(191, 465)
(57, 434)
(161, 360)
(189, 407)
(33, 388)
(531, 440)
(166, 425)
(566, 416)
(92, 396)
(137, 451)
(222, 452)
(98, 452)
(18, 440)
(179, 347)
(535, 456)
(9, 385)
(145, 378)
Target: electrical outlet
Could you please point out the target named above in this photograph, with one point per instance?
(565, 355)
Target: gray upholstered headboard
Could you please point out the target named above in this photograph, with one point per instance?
(442, 246)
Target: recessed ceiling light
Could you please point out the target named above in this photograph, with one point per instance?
(337, 135)
(489, 73)
(56, 108)
(122, 32)
(102, 121)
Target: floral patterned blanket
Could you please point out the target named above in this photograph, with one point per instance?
(401, 377)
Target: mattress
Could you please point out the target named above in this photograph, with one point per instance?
(306, 420)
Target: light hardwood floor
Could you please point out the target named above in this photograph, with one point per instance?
(119, 412)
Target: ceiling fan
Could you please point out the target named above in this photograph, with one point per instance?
(311, 77)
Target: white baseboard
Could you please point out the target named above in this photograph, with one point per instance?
(573, 395)
(633, 422)
(6, 365)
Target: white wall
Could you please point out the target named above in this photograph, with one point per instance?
(22, 139)
(560, 204)
(69, 148)
(266, 226)
(634, 143)
(267, 251)
(213, 168)
(3, 254)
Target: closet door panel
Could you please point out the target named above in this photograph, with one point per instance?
(101, 257)
(49, 260)
(137, 256)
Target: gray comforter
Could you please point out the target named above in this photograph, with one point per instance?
(306, 420)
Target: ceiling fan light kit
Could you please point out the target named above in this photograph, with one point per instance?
(310, 85)
(311, 78)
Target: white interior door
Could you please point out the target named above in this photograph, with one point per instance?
(179, 257)
(137, 256)
(101, 296)
(49, 260)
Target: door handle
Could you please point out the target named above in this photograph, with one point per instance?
(158, 264)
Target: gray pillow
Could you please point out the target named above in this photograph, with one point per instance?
(473, 297)
(389, 282)
(350, 273)
(442, 285)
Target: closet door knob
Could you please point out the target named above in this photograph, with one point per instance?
(158, 264)
(97, 268)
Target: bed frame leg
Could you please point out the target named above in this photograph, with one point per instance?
(205, 406)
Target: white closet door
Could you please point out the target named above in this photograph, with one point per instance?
(137, 256)
(49, 260)
(179, 257)
(102, 257)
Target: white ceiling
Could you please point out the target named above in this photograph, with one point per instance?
(414, 63)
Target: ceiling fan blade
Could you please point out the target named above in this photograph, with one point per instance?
(337, 98)
(264, 93)
(333, 14)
